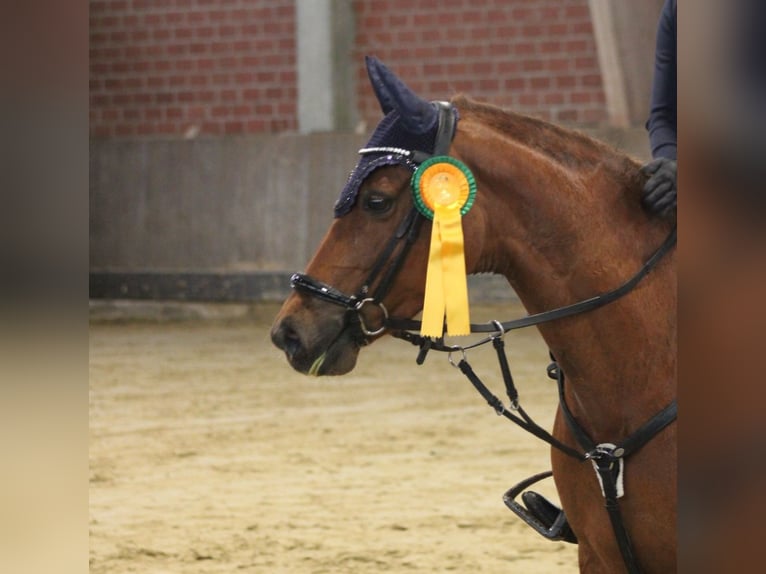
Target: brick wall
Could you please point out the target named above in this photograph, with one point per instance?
(179, 68)
(183, 67)
(533, 56)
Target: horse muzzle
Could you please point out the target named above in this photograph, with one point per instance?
(319, 345)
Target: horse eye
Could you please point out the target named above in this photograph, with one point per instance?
(378, 203)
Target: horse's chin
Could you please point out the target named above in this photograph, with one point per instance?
(337, 358)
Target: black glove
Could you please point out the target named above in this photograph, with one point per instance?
(660, 189)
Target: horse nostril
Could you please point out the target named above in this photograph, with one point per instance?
(287, 339)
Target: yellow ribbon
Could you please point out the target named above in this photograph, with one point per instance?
(446, 284)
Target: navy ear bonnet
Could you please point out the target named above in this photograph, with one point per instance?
(389, 133)
(410, 124)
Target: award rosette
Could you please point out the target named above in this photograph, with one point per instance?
(444, 190)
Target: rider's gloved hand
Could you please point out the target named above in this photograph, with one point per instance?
(659, 195)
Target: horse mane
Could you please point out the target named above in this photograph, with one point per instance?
(567, 147)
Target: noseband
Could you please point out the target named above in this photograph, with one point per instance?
(405, 234)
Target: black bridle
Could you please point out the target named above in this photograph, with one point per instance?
(389, 261)
(382, 274)
(606, 457)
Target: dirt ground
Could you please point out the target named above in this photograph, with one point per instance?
(209, 454)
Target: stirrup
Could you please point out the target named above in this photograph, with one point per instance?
(543, 516)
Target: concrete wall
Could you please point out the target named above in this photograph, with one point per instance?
(232, 187)
(238, 204)
(246, 204)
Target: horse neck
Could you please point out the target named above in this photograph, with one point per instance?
(563, 233)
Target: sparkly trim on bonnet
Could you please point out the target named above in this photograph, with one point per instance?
(390, 133)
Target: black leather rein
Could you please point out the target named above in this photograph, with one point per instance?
(408, 230)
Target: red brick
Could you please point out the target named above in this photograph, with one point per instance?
(112, 114)
(538, 55)
(557, 64)
(579, 10)
(255, 126)
(433, 69)
(234, 127)
(205, 64)
(204, 32)
(131, 114)
(524, 48)
(177, 49)
(506, 67)
(198, 80)
(211, 128)
(438, 87)
(553, 98)
(550, 47)
(151, 82)
(567, 115)
(580, 97)
(100, 130)
(144, 67)
(532, 65)
(139, 36)
(556, 30)
(482, 69)
(593, 80)
(584, 27)
(196, 112)
(164, 98)
(152, 114)
(489, 85)
(124, 130)
(589, 62)
(183, 33)
(97, 7)
(451, 51)
(565, 81)
(572, 46)
(220, 111)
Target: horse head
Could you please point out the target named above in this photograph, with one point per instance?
(374, 215)
(556, 212)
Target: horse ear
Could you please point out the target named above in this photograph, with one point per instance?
(417, 114)
(376, 70)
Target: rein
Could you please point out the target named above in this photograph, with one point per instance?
(408, 230)
(607, 457)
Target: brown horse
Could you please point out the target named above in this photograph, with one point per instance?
(558, 214)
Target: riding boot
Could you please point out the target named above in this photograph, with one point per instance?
(547, 513)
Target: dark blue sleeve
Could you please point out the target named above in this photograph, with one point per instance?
(662, 111)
